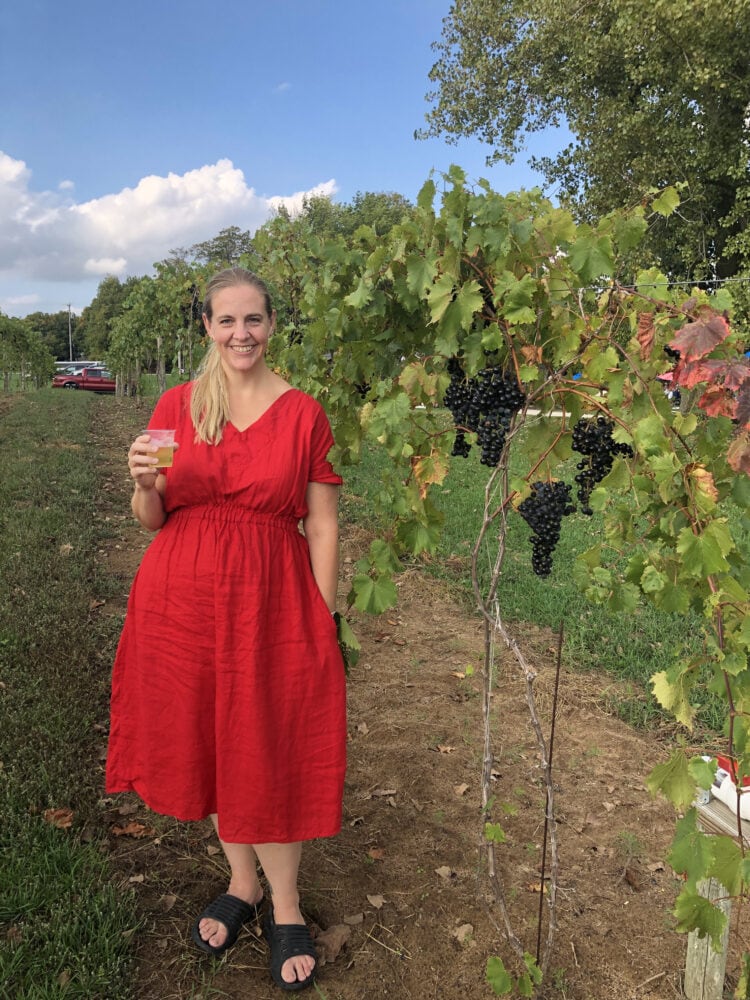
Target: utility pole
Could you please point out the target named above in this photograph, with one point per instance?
(70, 336)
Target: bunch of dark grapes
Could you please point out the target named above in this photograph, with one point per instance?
(485, 405)
(543, 511)
(592, 438)
(672, 353)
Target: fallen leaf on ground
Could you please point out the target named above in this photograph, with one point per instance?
(461, 789)
(657, 866)
(137, 878)
(462, 933)
(363, 728)
(128, 809)
(167, 902)
(61, 818)
(442, 748)
(66, 549)
(444, 872)
(357, 821)
(383, 792)
(536, 887)
(212, 849)
(133, 830)
(94, 604)
(354, 918)
(376, 901)
(330, 942)
(376, 853)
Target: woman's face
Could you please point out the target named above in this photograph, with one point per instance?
(240, 327)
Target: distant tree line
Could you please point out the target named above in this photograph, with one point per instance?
(153, 323)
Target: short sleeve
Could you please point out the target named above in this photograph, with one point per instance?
(321, 470)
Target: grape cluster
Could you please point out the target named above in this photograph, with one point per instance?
(485, 405)
(543, 511)
(592, 438)
(671, 353)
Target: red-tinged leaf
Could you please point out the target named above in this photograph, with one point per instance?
(61, 818)
(717, 402)
(737, 375)
(742, 410)
(645, 334)
(688, 374)
(738, 453)
(695, 340)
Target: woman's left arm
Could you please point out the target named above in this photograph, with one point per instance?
(321, 527)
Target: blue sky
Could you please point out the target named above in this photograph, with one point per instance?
(128, 130)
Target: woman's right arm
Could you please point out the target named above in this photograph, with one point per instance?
(147, 502)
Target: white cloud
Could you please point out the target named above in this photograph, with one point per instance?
(281, 88)
(47, 237)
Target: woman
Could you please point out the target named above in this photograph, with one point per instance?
(228, 694)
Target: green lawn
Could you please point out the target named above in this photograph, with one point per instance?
(64, 925)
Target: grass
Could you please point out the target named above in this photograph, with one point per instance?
(66, 926)
(630, 647)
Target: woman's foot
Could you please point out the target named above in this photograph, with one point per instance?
(287, 934)
(214, 932)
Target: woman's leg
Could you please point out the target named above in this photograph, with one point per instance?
(243, 883)
(280, 863)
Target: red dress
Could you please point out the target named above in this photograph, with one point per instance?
(228, 689)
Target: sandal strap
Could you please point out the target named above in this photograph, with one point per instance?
(231, 911)
(292, 940)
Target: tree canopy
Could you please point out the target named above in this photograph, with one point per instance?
(655, 92)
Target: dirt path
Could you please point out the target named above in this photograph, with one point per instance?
(405, 876)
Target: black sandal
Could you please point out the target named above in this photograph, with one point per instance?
(231, 911)
(287, 941)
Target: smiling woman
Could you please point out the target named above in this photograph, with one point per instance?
(229, 632)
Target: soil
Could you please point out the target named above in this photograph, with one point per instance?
(404, 885)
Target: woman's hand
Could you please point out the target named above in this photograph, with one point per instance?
(142, 462)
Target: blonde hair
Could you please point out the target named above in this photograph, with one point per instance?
(209, 402)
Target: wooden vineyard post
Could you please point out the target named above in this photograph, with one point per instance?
(705, 967)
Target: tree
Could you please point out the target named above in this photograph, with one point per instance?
(94, 328)
(54, 331)
(224, 249)
(656, 92)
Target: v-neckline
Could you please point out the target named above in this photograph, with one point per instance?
(258, 419)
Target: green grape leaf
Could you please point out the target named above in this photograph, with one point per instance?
(666, 202)
(703, 771)
(591, 255)
(705, 554)
(696, 913)
(673, 779)
(673, 693)
(692, 850)
(494, 833)
(727, 864)
(361, 295)
(629, 232)
(373, 596)
(420, 272)
(498, 977)
(418, 537)
(440, 296)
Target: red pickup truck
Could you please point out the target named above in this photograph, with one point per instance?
(94, 379)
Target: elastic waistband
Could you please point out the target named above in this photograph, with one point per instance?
(234, 512)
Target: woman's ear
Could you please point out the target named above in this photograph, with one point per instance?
(207, 324)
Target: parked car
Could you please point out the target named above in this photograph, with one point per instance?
(93, 379)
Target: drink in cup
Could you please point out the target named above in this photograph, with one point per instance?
(164, 440)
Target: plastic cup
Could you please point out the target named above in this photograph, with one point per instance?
(164, 441)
